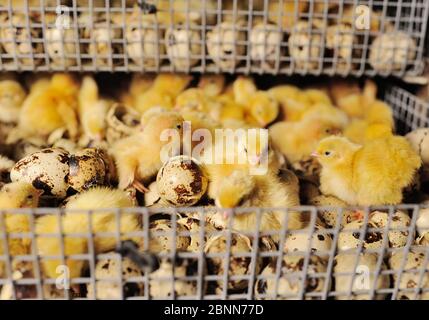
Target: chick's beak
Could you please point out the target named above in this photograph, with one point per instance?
(315, 154)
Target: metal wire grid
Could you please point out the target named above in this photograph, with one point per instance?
(409, 111)
(313, 276)
(259, 36)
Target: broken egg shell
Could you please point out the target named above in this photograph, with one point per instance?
(46, 170)
(399, 220)
(348, 239)
(181, 181)
(122, 122)
(329, 216)
(194, 227)
(162, 242)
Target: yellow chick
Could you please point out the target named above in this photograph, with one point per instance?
(194, 99)
(372, 174)
(138, 85)
(92, 110)
(356, 104)
(164, 90)
(12, 95)
(138, 157)
(243, 88)
(293, 101)
(51, 107)
(77, 222)
(227, 109)
(296, 140)
(262, 109)
(239, 189)
(317, 96)
(212, 84)
(17, 195)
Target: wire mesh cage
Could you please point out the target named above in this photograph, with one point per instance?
(272, 36)
(195, 253)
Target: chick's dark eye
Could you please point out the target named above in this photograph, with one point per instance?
(327, 153)
(179, 127)
(30, 197)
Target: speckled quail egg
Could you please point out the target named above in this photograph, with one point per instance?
(25, 147)
(348, 239)
(422, 222)
(183, 46)
(181, 181)
(161, 236)
(321, 242)
(305, 45)
(329, 216)
(410, 278)
(419, 140)
(363, 276)
(225, 44)
(194, 227)
(12, 95)
(144, 43)
(18, 39)
(109, 283)
(289, 283)
(265, 40)
(160, 281)
(392, 51)
(87, 169)
(61, 46)
(122, 122)
(239, 265)
(46, 170)
(399, 220)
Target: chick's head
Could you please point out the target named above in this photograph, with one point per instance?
(19, 195)
(235, 189)
(255, 144)
(263, 108)
(333, 151)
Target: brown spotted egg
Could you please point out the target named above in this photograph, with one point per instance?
(87, 169)
(161, 236)
(240, 259)
(289, 283)
(108, 284)
(46, 170)
(194, 227)
(181, 181)
(399, 222)
(349, 237)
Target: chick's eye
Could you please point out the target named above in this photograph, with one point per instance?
(327, 153)
(179, 127)
(29, 197)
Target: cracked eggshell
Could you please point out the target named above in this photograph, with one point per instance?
(46, 170)
(348, 239)
(329, 216)
(239, 265)
(399, 219)
(122, 122)
(160, 281)
(392, 51)
(419, 140)
(108, 284)
(183, 46)
(410, 278)
(161, 236)
(321, 242)
(225, 44)
(194, 227)
(290, 287)
(181, 181)
(364, 276)
(87, 169)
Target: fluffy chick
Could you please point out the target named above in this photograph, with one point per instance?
(238, 189)
(17, 195)
(293, 101)
(372, 174)
(77, 222)
(262, 109)
(243, 88)
(296, 140)
(212, 85)
(51, 107)
(138, 157)
(12, 95)
(92, 110)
